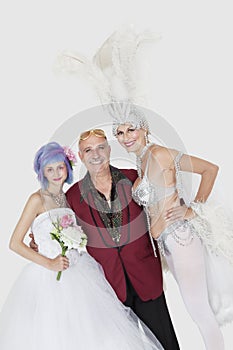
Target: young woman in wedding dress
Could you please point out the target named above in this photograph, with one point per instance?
(79, 311)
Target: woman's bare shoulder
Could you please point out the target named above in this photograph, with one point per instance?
(163, 153)
(35, 198)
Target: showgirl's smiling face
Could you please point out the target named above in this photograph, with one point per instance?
(130, 138)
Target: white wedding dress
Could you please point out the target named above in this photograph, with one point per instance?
(81, 311)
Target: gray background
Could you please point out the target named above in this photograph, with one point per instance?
(191, 71)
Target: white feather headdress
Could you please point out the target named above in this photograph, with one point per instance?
(118, 74)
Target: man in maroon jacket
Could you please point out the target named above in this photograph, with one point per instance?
(117, 235)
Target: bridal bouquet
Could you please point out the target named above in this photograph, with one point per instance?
(68, 234)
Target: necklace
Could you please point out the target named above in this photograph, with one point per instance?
(59, 199)
(139, 160)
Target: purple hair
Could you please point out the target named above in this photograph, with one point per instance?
(50, 153)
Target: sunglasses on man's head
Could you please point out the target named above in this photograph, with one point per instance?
(97, 132)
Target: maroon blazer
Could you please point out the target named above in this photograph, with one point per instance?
(134, 252)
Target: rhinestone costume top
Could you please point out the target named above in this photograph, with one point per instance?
(148, 194)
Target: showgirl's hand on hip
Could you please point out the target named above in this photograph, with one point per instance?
(178, 213)
(59, 263)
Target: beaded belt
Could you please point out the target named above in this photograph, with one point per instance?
(182, 225)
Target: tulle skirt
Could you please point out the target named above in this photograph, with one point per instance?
(81, 311)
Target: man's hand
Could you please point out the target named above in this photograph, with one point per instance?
(32, 243)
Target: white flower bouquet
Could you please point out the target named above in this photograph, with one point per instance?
(68, 234)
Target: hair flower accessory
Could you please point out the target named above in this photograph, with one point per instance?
(70, 155)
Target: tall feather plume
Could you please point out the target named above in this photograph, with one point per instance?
(75, 63)
(117, 70)
(123, 62)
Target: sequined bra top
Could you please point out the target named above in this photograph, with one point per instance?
(147, 194)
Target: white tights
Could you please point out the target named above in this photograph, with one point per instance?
(188, 267)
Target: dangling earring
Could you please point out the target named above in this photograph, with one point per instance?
(146, 138)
